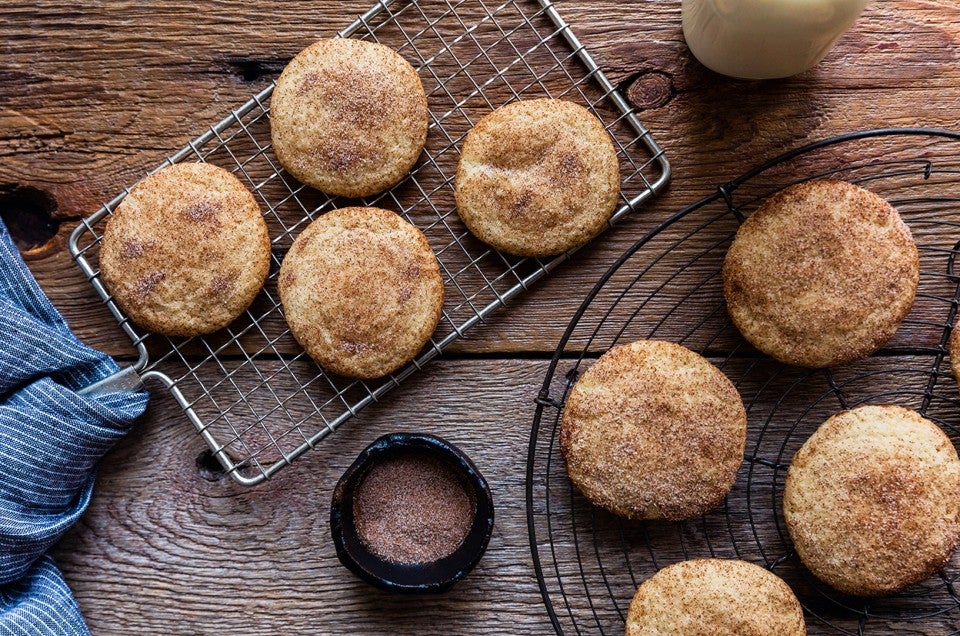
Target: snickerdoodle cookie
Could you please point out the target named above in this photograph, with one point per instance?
(872, 500)
(715, 597)
(653, 431)
(537, 177)
(822, 274)
(186, 251)
(361, 291)
(348, 117)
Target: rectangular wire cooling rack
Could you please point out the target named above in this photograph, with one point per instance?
(256, 398)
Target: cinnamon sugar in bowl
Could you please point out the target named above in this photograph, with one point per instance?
(412, 513)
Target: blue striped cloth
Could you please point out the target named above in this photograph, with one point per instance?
(51, 439)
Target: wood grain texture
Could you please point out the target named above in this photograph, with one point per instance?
(92, 98)
(165, 550)
(170, 547)
(93, 95)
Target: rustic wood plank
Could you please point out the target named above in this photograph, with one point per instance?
(81, 129)
(928, 203)
(679, 266)
(167, 546)
(164, 550)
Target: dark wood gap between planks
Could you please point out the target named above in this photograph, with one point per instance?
(546, 356)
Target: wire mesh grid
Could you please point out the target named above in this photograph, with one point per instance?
(668, 286)
(253, 394)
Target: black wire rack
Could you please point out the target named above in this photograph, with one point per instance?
(254, 396)
(668, 286)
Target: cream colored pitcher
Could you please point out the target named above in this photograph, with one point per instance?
(764, 39)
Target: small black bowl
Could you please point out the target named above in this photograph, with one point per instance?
(435, 576)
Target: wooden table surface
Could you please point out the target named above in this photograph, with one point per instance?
(94, 94)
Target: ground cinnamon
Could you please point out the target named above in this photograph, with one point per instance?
(413, 508)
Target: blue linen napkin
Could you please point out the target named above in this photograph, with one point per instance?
(51, 438)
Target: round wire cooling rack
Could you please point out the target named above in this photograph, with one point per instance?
(668, 286)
